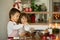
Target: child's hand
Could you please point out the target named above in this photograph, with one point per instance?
(32, 29)
(22, 34)
(25, 23)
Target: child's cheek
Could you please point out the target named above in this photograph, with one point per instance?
(15, 18)
(22, 20)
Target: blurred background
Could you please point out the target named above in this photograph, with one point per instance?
(6, 5)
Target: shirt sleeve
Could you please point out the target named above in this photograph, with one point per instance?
(27, 27)
(17, 26)
(11, 28)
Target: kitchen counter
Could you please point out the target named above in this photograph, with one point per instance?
(45, 26)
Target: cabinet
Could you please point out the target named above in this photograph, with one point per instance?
(38, 15)
(50, 18)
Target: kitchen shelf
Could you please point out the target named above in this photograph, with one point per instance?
(38, 23)
(42, 12)
(52, 24)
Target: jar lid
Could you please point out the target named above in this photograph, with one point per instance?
(15, 37)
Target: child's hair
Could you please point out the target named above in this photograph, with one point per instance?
(25, 15)
(13, 11)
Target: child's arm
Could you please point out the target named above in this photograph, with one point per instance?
(11, 32)
(17, 26)
(31, 29)
(12, 29)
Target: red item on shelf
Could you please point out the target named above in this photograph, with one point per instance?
(44, 37)
(30, 9)
(26, 9)
(52, 36)
(33, 18)
(10, 38)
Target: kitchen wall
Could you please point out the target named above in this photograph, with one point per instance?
(5, 6)
(56, 0)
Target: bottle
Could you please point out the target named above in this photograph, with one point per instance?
(44, 37)
(10, 38)
(16, 38)
(52, 36)
(33, 18)
(57, 38)
(50, 30)
(48, 38)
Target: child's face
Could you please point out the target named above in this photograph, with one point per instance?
(23, 20)
(15, 17)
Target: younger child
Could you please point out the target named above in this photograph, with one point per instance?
(24, 19)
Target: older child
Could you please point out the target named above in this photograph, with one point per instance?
(12, 26)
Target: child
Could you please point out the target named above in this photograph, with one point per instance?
(24, 19)
(12, 26)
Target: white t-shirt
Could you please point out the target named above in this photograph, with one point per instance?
(12, 28)
(27, 27)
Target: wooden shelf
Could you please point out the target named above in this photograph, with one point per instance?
(39, 23)
(52, 24)
(42, 12)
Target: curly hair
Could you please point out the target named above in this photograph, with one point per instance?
(25, 15)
